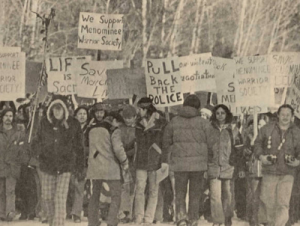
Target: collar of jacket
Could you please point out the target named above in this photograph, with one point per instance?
(14, 127)
(276, 125)
(188, 112)
(155, 123)
(225, 126)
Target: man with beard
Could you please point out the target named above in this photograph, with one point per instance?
(12, 154)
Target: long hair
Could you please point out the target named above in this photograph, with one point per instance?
(229, 115)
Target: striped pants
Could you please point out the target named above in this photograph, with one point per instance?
(54, 194)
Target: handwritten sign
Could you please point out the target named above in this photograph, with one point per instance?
(163, 81)
(225, 73)
(62, 73)
(124, 83)
(100, 31)
(283, 68)
(253, 84)
(92, 79)
(7, 49)
(293, 95)
(197, 73)
(12, 75)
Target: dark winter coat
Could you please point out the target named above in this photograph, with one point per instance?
(222, 158)
(186, 137)
(59, 145)
(291, 146)
(148, 138)
(13, 151)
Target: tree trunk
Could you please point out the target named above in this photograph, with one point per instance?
(192, 49)
(198, 39)
(144, 18)
(22, 23)
(241, 26)
(2, 22)
(276, 27)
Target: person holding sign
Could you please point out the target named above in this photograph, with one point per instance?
(221, 161)
(277, 146)
(149, 132)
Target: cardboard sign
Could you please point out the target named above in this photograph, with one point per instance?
(254, 87)
(6, 49)
(92, 79)
(62, 73)
(225, 72)
(225, 75)
(163, 81)
(12, 75)
(124, 83)
(283, 67)
(197, 73)
(100, 31)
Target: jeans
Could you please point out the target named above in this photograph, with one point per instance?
(139, 204)
(7, 195)
(220, 200)
(195, 180)
(253, 202)
(275, 196)
(78, 195)
(93, 212)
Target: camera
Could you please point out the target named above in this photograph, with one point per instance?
(272, 158)
(289, 158)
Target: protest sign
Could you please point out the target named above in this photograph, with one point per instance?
(12, 75)
(225, 86)
(293, 94)
(197, 73)
(283, 66)
(124, 83)
(253, 84)
(224, 75)
(163, 81)
(100, 31)
(6, 49)
(62, 73)
(92, 79)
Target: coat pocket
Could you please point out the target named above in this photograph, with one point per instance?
(213, 171)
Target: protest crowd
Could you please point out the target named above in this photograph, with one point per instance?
(104, 164)
(178, 139)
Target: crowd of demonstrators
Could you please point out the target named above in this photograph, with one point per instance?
(79, 157)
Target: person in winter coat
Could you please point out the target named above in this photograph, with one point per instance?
(128, 139)
(221, 160)
(78, 181)
(106, 157)
(186, 139)
(278, 146)
(58, 145)
(149, 132)
(13, 153)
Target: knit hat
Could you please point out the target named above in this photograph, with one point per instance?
(192, 101)
(5, 110)
(129, 111)
(144, 102)
(99, 107)
(207, 110)
(81, 107)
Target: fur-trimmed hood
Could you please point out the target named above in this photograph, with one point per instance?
(62, 103)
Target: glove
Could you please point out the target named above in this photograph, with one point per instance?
(80, 175)
(294, 163)
(125, 166)
(264, 160)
